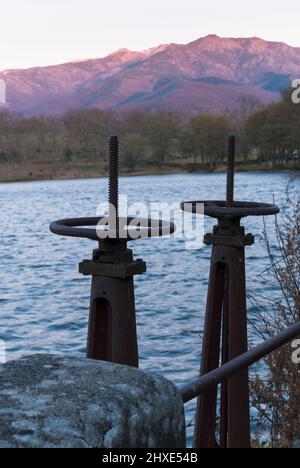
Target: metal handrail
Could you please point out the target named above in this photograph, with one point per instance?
(201, 384)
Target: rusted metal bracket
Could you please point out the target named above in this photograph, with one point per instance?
(112, 269)
(234, 238)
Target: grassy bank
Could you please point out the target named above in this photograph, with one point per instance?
(41, 170)
(62, 170)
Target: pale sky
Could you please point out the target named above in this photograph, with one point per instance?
(46, 32)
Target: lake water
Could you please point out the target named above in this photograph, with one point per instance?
(44, 301)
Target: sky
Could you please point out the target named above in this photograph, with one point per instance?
(46, 32)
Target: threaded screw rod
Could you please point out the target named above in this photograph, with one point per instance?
(113, 186)
(230, 171)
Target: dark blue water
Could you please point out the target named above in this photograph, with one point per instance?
(44, 301)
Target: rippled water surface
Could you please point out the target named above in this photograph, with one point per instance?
(44, 301)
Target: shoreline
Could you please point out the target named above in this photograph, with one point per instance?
(43, 171)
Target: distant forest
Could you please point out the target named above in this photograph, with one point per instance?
(268, 138)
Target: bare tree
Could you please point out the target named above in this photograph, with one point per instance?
(277, 398)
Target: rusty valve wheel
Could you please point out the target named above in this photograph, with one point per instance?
(128, 228)
(112, 228)
(230, 208)
(239, 209)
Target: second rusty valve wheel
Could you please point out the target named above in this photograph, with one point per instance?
(112, 334)
(240, 209)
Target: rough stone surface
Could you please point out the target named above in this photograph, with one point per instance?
(51, 401)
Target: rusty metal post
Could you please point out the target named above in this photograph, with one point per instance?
(112, 334)
(225, 332)
(225, 337)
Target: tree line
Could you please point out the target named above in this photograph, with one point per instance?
(267, 135)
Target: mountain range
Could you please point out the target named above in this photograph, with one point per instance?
(206, 75)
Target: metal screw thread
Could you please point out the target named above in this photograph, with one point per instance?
(113, 177)
(230, 171)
